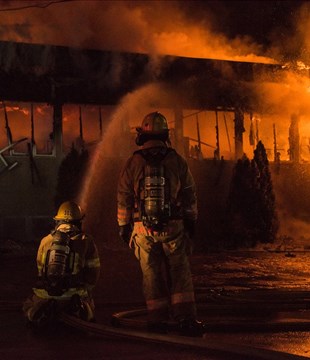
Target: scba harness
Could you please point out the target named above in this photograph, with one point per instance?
(154, 189)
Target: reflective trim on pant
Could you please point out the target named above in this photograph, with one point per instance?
(154, 304)
(43, 294)
(182, 297)
(34, 304)
(183, 306)
(93, 263)
(158, 309)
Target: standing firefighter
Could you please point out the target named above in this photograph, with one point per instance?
(68, 269)
(157, 211)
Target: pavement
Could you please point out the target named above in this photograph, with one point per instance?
(261, 320)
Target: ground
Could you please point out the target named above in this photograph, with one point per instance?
(254, 298)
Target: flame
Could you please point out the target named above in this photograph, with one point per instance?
(19, 122)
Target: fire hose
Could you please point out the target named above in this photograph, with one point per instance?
(127, 325)
(222, 350)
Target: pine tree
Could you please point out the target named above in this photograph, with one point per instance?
(252, 214)
(267, 219)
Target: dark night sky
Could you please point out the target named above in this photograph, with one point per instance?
(256, 18)
(267, 23)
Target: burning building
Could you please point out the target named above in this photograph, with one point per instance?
(56, 96)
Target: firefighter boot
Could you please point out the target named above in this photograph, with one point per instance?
(191, 327)
(75, 305)
(44, 316)
(80, 309)
(157, 327)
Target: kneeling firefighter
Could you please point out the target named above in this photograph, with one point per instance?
(68, 269)
(157, 211)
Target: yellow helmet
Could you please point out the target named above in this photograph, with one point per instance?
(69, 211)
(153, 123)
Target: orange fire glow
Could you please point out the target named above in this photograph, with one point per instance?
(162, 27)
(165, 28)
(158, 27)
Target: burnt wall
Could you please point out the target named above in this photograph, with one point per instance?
(27, 192)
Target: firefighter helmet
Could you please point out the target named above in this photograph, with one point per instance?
(69, 211)
(153, 123)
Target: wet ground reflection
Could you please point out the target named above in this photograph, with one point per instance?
(253, 270)
(297, 343)
(256, 287)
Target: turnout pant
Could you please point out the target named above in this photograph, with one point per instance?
(167, 280)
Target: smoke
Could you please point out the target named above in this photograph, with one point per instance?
(292, 208)
(293, 228)
(193, 29)
(18, 31)
(293, 42)
(153, 27)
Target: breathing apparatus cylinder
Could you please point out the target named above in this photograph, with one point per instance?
(154, 201)
(56, 264)
(155, 208)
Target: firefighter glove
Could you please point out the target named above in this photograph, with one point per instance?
(125, 232)
(189, 226)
